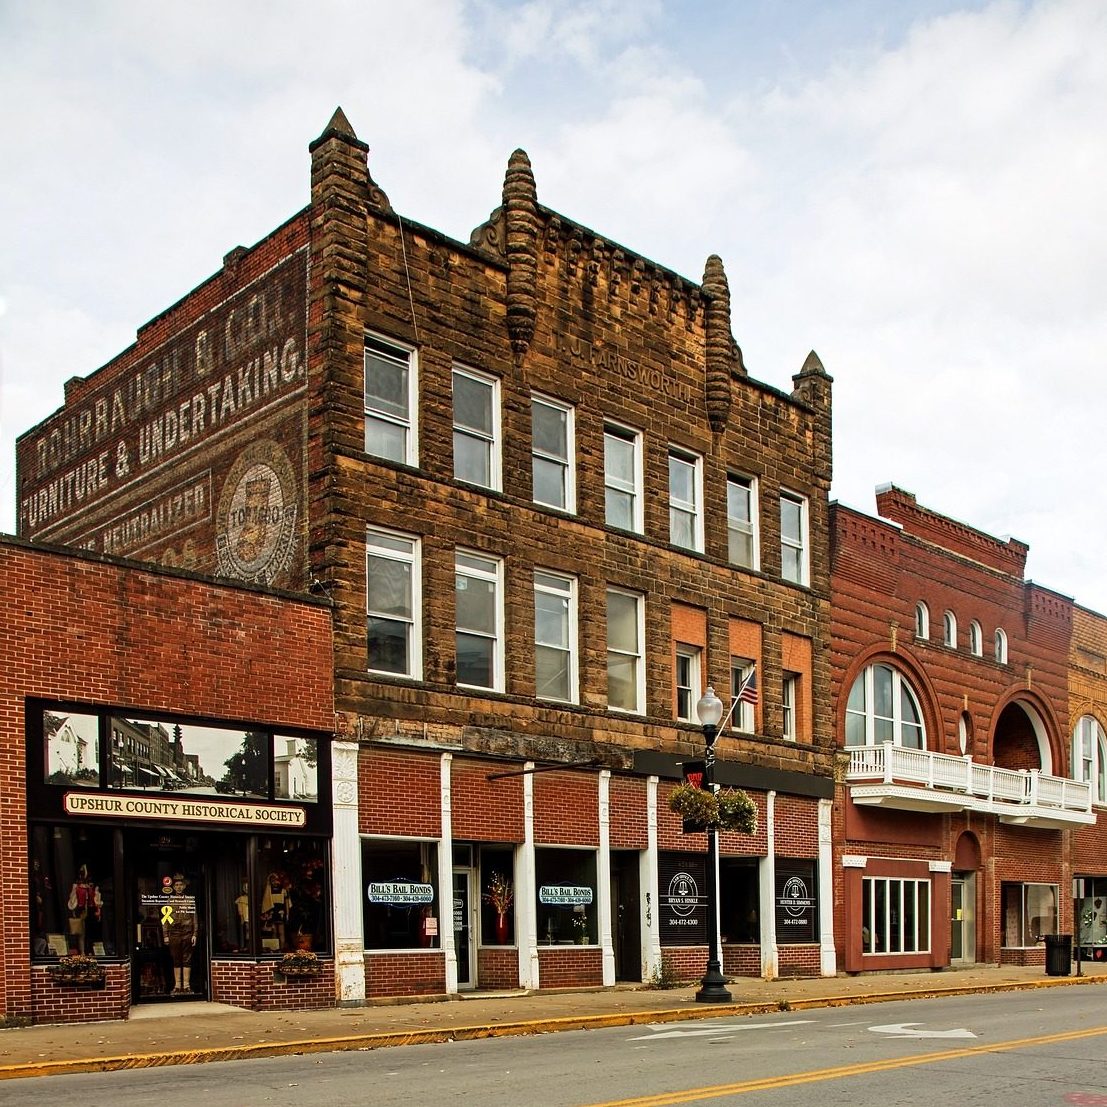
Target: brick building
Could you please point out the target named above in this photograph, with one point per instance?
(550, 506)
(129, 695)
(954, 814)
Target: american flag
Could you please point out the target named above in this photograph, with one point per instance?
(747, 692)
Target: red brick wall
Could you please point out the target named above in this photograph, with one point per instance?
(256, 985)
(498, 967)
(53, 1002)
(566, 809)
(628, 813)
(570, 968)
(399, 793)
(405, 974)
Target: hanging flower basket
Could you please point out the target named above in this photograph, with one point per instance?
(300, 964)
(77, 970)
(727, 809)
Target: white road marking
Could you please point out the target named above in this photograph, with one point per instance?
(728, 1028)
(903, 1030)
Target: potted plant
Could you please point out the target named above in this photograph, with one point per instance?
(300, 962)
(500, 896)
(77, 968)
(580, 926)
(727, 809)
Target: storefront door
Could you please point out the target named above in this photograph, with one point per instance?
(626, 938)
(465, 944)
(167, 885)
(962, 932)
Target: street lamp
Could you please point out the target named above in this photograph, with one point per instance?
(709, 710)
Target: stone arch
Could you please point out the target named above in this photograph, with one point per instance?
(1021, 738)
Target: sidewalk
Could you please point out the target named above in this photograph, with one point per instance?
(193, 1033)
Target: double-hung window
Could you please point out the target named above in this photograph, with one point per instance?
(622, 478)
(686, 500)
(478, 594)
(555, 636)
(392, 603)
(551, 427)
(789, 697)
(741, 522)
(793, 538)
(743, 693)
(626, 684)
(1089, 756)
(687, 682)
(390, 404)
(476, 428)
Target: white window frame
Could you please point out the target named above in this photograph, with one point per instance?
(389, 350)
(1089, 756)
(564, 587)
(383, 544)
(949, 629)
(566, 464)
(686, 681)
(890, 930)
(628, 436)
(743, 715)
(867, 712)
(922, 621)
(681, 508)
(789, 702)
(976, 639)
(490, 439)
(637, 654)
(802, 543)
(1001, 645)
(471, 565)
(747, 487)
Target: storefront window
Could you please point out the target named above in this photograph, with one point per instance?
(72, 748)
(1092, 913)
(1029, 913)
(231, 901)
(566, 880)
(738, 900)
(291, 896)
(72, 893)
(797, 902)
(399, 881)
(895, 916)
(682, 899)
(295, 768)
(497, 900)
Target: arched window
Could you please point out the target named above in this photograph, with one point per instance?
(1001, 646)
(922, 620)
(949, 630)
(1089, 756)
(976, 639)
(882, 707)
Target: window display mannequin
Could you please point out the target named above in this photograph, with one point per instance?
(179, 928)
(276, 901)
(84, 904)
(242, 903)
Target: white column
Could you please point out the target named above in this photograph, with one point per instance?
(526, 892)
(649, 903)
(603, 878)
(770, 957)
(828, 964)
(346, 879)
(446, 872)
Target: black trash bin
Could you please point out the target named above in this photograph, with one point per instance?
(1058, 954)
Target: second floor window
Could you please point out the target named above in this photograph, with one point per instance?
(555, 670)
(793, 538)
(476, 428)
(976, 639)
(743, 693)
(685, 499)
(478, 593)
(882, 707)
(551, 427)
(687, 682)
(789, 704)
(392, 603)
(389, 401)
(1089, 756)
(949, 629)
(922, 621)
(1001, 646)
(625, 664)
(741, 522)
(622, 478)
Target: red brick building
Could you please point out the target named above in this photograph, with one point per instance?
(550, 506)
(154, 774)
(954, 814)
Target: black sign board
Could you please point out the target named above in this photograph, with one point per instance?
(797, 916)
(682, 889)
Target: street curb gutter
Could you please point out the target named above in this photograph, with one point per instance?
(364, 1042)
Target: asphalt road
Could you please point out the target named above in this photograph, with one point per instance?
(1036, 1048)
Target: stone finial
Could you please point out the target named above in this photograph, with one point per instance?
(812, 383)
(520, 207)
(719, 357)
(340, 161)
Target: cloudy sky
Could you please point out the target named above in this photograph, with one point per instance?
(914, 188)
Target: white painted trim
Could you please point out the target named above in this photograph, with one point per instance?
(941, 866)
(828, 965)
(446, 873)
(603, 877)
(770, 954)
(349, 937)
(648, 902)
(526, 894)
(854, 861)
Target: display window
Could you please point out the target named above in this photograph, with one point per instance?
(400, 890)
(497, 901)
(290, 895)
(1092, 915)
(566, 883)
(739, 900)
(1030, 912)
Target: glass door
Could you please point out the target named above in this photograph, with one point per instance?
(962, 930)
(465, 944)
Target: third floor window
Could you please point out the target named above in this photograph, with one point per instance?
(390, 401)
(476, 428)
(622, 478)
(685, 500)
(551, 426)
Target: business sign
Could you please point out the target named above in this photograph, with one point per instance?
(682, 882)
(400, 893)
(564, 895)
(196, 810)
(796, 905)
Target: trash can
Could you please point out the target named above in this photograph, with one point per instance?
(1058, 954)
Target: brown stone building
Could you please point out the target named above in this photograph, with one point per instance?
(955, 815)
(550, 506)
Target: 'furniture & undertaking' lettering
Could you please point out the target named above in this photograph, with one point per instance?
(182, 810)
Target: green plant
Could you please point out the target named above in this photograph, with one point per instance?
(694, 805)
(737, 811)
(663, 977)
(299, 961)
(727, 809)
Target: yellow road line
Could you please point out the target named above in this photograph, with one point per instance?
(768, 1083)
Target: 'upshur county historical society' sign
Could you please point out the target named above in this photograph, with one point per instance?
(182, 810)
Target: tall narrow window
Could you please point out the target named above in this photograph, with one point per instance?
(789, 698)
(551, 425)
(625, 671)
(1089, 756)
(687, 681)
(1001, 645)
(949, 629)
(555, 668)
(741, 522)
(392, 603)
(793, 538)
(478, 595)
(922, 621)
(476, 428)
(743, 693)
(389, 401)
(976, 639)
(685, 500)
(622, 478)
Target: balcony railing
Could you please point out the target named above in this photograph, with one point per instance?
(894, 776)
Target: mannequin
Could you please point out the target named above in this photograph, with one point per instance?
(275, 904)
(243, 904)
(179, 928)
(84, 900)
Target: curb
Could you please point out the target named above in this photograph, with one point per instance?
(361, 1042)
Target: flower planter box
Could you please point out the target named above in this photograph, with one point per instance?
(87, 980)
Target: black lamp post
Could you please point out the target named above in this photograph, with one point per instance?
(709, 710)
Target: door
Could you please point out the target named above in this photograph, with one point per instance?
(465, 944)
(962, 928)
(626, 937)
(169, 904)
